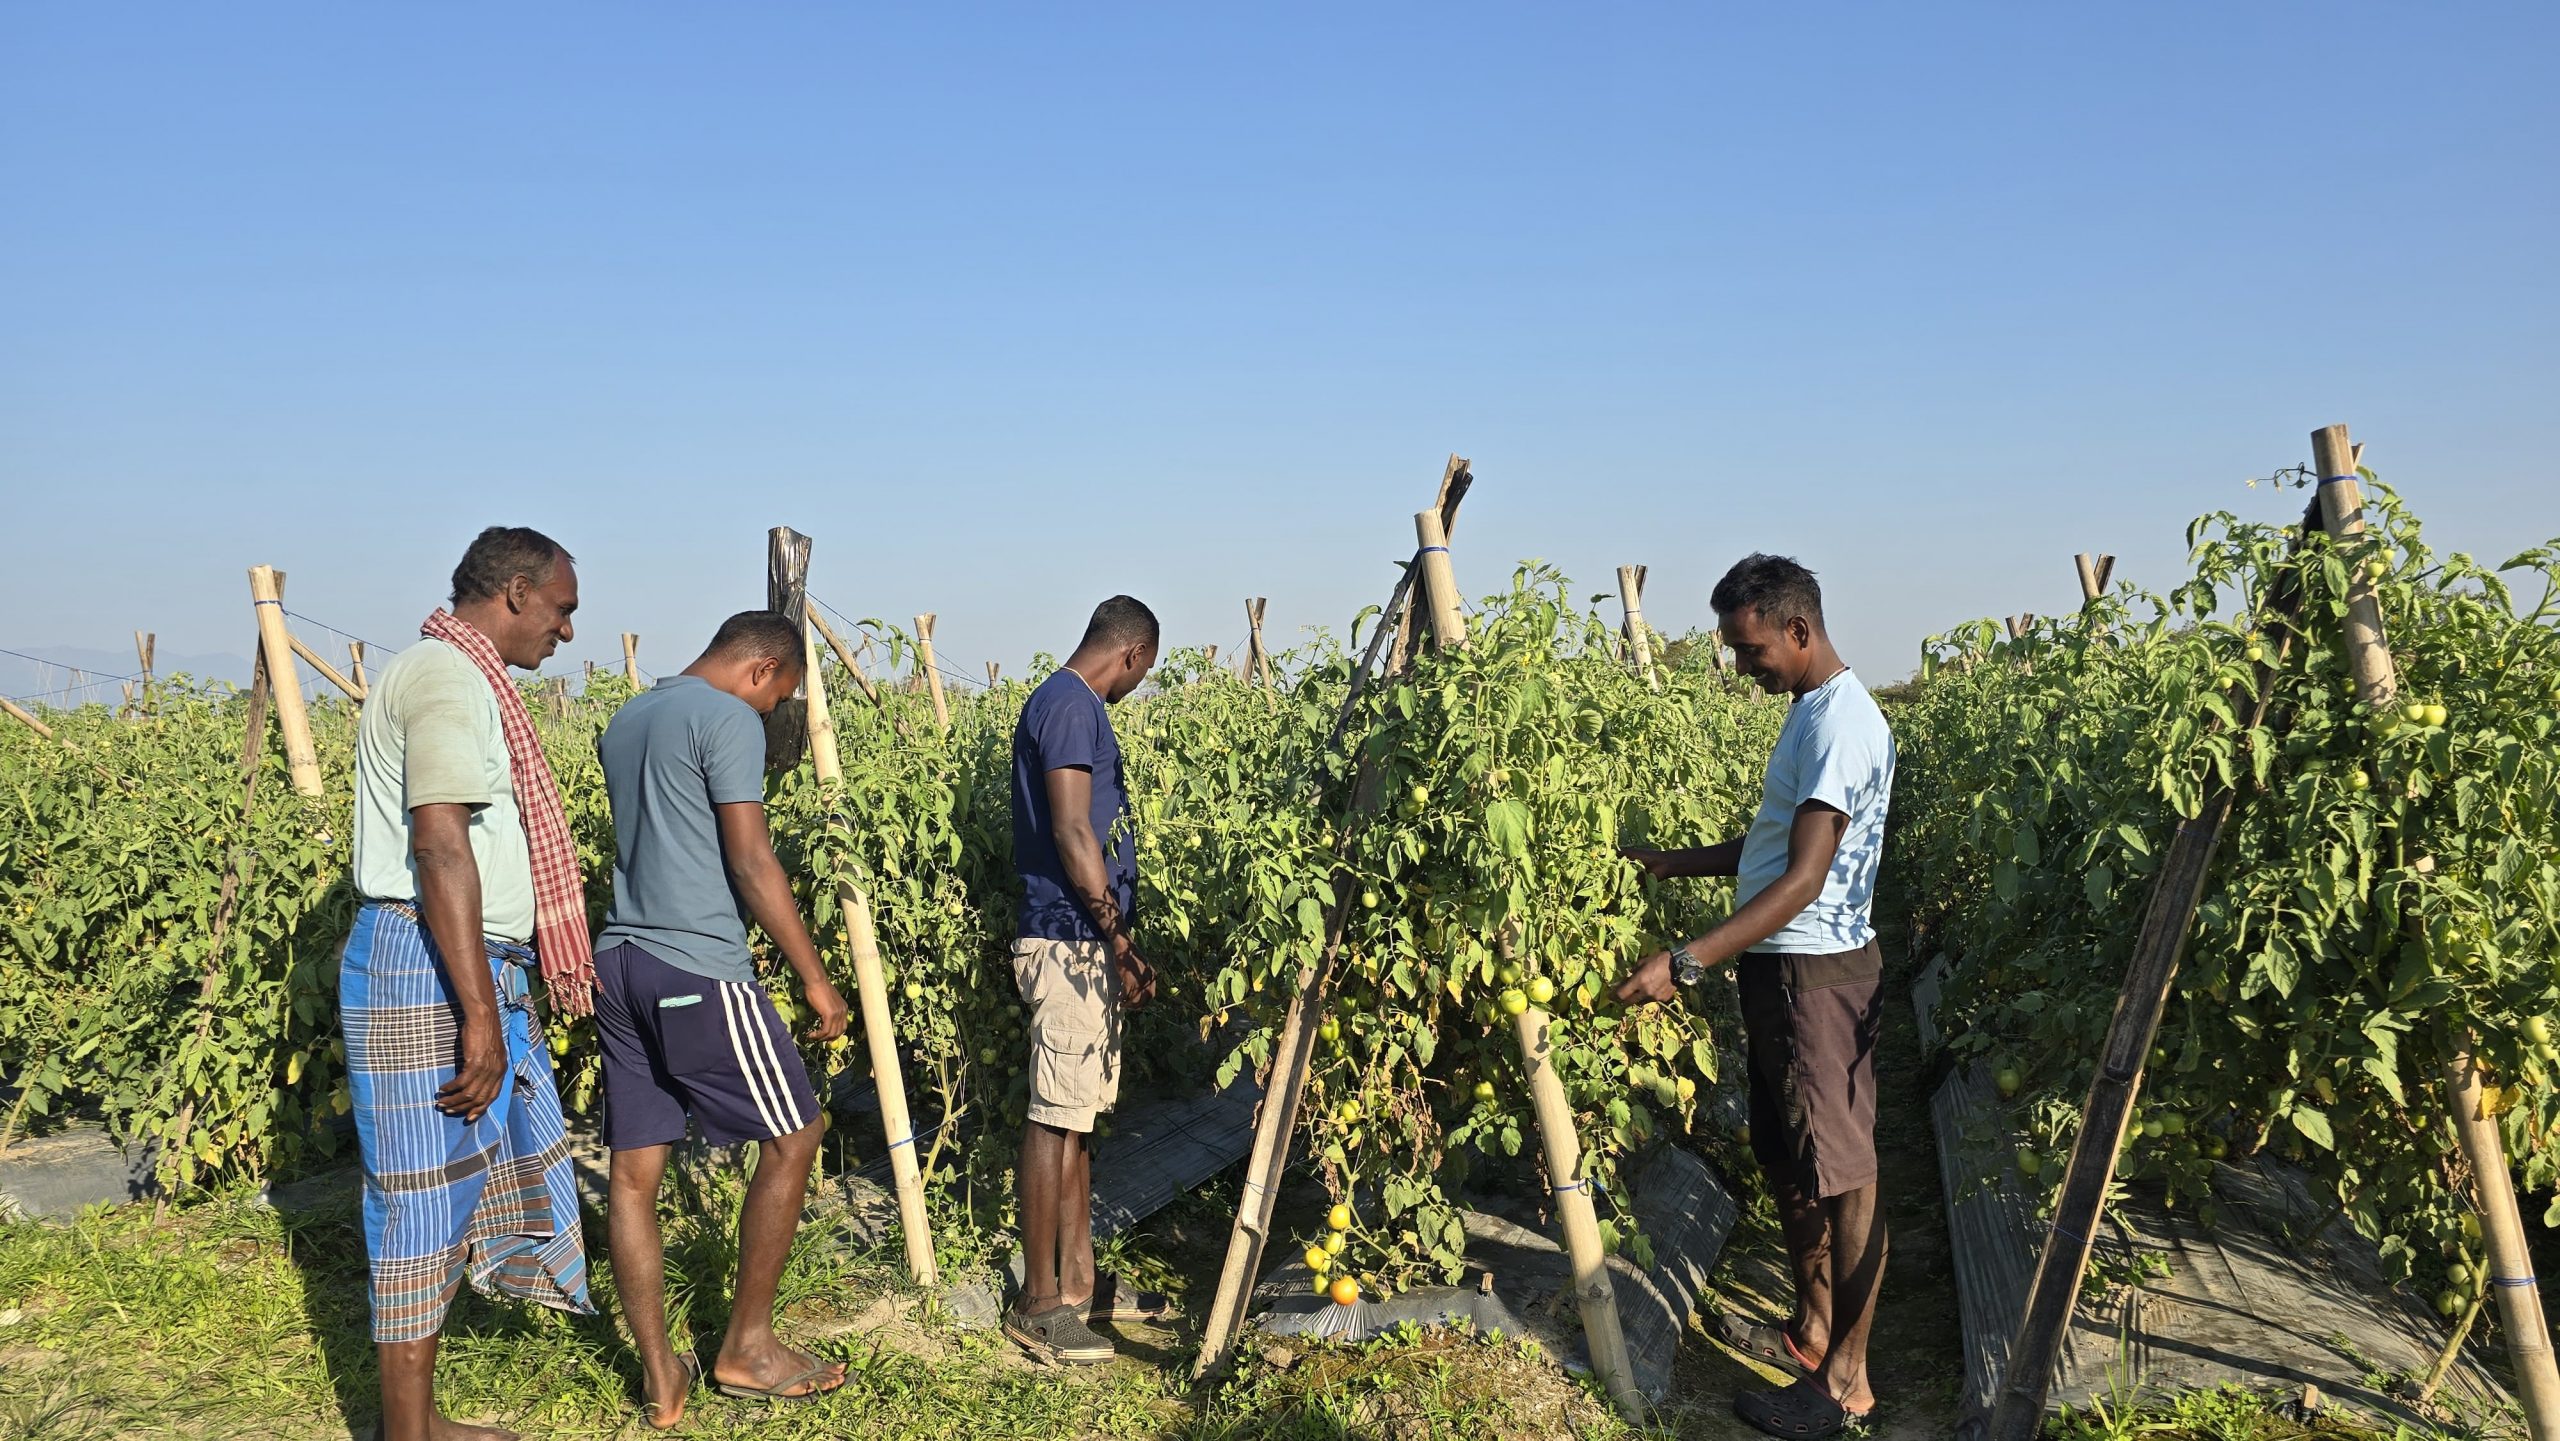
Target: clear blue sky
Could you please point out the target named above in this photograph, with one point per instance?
(1012, 307)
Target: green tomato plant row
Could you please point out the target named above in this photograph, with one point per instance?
(2388, 885)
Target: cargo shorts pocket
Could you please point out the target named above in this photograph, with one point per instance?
(1067, 1064)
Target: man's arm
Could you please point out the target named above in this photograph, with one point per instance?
(1722, 859)
(1070, 791)
(746, 847)
(1811, 845)
(449, 903)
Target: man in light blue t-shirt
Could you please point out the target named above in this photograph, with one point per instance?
(1812, 981)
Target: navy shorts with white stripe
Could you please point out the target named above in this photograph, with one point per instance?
(678, 1044)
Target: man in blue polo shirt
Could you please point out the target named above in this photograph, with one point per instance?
(1077, 964)
(1812, 982)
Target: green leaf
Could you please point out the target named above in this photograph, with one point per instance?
(2314, 1127)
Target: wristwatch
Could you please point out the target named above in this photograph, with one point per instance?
(1684, 966)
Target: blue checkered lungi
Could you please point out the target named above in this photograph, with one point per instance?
(493, 1199)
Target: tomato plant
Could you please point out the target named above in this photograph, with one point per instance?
(2388, 885)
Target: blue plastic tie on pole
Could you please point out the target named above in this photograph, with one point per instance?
(1435, 550)
(2335, 479)
(908, 1140)
(2511, 1281)
(276, 603)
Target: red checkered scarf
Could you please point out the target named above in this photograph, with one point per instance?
(559, 892)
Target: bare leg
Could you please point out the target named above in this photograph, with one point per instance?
(409, 1398)
(751, 1354)
(640, 1276)
(1075, 1221)
(1857, 1277)
(1040, 1176)
(1804, 1223)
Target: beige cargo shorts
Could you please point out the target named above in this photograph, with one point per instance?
(1073, 991)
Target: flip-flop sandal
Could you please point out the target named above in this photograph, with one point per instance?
(1797, 1413)
(692, 1378)
(1762, 1342)
(788, 1389)
(1110, 1303)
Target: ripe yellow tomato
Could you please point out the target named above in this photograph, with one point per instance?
(1338, 1219)
(1346, 1291)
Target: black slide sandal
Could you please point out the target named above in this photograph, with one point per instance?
(1770, 1345)
(1801, 1411)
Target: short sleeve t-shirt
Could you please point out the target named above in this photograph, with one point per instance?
(1835, 748)
(431, 736)
(671, 755)
(1065, 724)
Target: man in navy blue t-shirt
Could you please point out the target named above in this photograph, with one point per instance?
(1078, 968)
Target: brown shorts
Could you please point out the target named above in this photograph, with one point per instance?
(1809, 1027)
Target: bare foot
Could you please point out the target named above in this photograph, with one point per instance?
(775, 1364)
(664, 1391)
(446, 1428)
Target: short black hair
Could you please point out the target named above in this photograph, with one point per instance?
(501, 553)
(1120, 621)
(1773, 587)
(759, 635)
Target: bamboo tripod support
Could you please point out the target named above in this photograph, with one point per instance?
(824, 757)
(2095, 572)
(932, 674)
(1257, 661)
(2511, 1277)
(1593, 1294)
(2176, 891)
(872, 991)
(355, 671)
(26, 718)
(275, 645)
(844, 657)
(328, 672)
(1631, 600)
(146, 648)
(1285, 1086)
(1456, 477)
(631, 659)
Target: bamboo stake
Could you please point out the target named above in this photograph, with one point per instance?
(932, 675)
(355, 660)
(266, 594)
(836, 643)
(327, 671)
(1592, 1291)
(631, 659)
(993, 668)
(25, 718)
(146, 648)
(873, 990)
(2528, 1333)
(2168, 915)
(1257, 661)
(823, 754)
(1456, 477)
(2087, 566)
(1631, 600)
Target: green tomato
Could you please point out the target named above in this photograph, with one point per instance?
(1484, 1093)
(1514, 1001)
(2029, 1163)
(1368, 900)
(1541, 990)
(2436, 714)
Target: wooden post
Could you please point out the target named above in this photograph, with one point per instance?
(631, 659)
(786, 591)
(1592, 1291)
(327, 671)
(2176, 891)
(1631, 600)
(266, 595)
(355, 660)
(588, 684)
(1257, 661)
(2528, 1333)
(932, 675)
(823, 755)
(26, 718)
(844, 655)
(873, 991)
(2087, 565)
(146, 648)
(993, 668)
